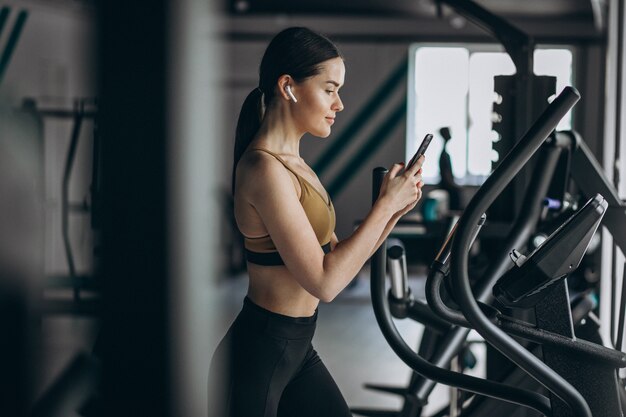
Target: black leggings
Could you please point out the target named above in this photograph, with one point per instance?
(266, 367)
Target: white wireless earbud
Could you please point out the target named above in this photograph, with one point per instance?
(290, 93)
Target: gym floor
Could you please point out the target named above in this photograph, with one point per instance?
(347, 339)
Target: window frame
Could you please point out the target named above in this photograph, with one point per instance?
(472, 47)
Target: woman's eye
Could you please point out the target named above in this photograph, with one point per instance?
(330, 91)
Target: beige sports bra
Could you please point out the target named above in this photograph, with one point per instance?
(320, 212)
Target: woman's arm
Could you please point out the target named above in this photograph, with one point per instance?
(271, 192)
(394, 220)
(397, 216)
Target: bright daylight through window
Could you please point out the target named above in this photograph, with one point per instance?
(453, 86)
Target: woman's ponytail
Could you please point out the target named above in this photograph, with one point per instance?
(247, 126)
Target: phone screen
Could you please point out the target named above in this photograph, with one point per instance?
(421, 150)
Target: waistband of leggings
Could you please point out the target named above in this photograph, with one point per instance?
(278, 324)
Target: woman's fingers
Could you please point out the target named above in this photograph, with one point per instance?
(416, 167)
(418, 179)
(405, 187)
(395, 169)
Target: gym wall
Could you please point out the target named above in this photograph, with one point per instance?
(53, 61)
(373, 48)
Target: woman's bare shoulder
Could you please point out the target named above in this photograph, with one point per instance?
(260, 173)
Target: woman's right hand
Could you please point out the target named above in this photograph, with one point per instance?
(402, 189)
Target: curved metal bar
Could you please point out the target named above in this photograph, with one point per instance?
(436, 303)
(527, 219)
(494, 185)
(524, 225)
(382, 312)
(476, 385)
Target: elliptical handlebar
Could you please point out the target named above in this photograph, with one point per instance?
(383, 315)
(438, 271)
(484, 197)
(520, 232)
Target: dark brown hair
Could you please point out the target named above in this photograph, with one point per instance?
(296, 51)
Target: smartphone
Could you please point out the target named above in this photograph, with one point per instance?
(420, 151)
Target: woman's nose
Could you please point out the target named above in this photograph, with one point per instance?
(338, 104)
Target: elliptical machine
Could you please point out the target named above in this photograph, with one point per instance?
(580, 376)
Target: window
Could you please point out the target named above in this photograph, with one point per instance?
(453, 86)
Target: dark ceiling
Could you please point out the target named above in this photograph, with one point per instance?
(578, 9)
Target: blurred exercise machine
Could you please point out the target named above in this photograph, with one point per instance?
(554, 339)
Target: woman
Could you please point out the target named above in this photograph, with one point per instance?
(269, 367)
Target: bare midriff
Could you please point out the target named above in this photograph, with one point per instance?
(275, 289)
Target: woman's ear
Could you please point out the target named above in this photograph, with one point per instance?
(285, 88)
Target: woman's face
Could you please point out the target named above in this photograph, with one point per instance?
(318, 98)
